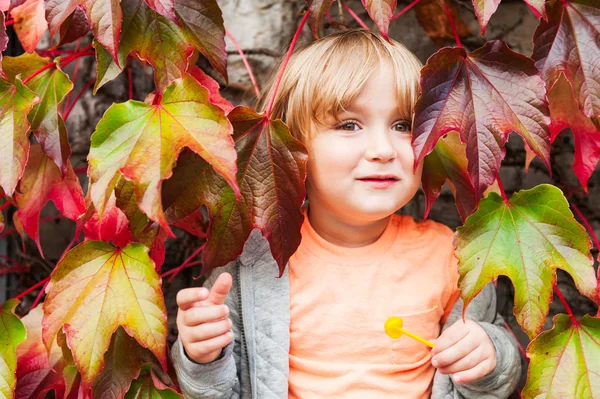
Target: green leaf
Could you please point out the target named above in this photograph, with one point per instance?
(141, 142)
(42, 182)
(565, 361)
(15, 103)
(144, 388)
(95, 289)
(12, 333)
(526, 239)
(448, 162)
(271, 173)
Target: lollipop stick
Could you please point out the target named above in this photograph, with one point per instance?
(422, 340)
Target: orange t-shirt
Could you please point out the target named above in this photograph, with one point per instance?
(341, 297)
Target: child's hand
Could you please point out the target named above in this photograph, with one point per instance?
(202, 320)
(464, 350)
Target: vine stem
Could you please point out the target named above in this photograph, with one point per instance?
(245, 61)
(63, 62)
(565, 304)
(521, 349)
(501, 187)
(4, 206)
(8, 258)
(165, 274)
(449, 15)
(176, 271)
(129, 81)
(405, 9)
(285, 62)
(356, 17)
(87, 85)
(39, 296)
(33, 287)
(587, 226)
(65, 106)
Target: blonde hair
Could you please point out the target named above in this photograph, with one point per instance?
(323, 78)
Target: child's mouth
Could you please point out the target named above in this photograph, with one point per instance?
(379, 183)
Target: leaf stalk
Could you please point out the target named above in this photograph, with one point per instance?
(565, 304)
(405, 9)
(245, 61)
(356, 17)
(452, 24)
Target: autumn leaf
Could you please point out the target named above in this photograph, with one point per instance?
(15, 103)
(565, 114)
(141, 142)
(569, 43)
(213, 88)
(381, 12)
(30, 23)
(565, 360)
(271, 173)
(484, 95)
(3, 42)
(12, 333)
(42, 182)
(145, 387)
(537, 6)
(96, 288)
(113, 226)
(52, 85)
(434, 21)
(38, 372)
(448, 162)
(484, 9)
(74, 27)
(318, 8)
(164, 8)
(526, 239)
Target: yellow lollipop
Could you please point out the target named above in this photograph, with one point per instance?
(393, 328)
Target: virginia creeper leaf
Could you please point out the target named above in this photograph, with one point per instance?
(202, 25)
(142, 229)
(142, 141)
(15, 103)
(271, 173)
(145, 388)
(565, 361)
(526, 239)
(164, 8)
(154, 39)
(434, 21)
(484, 95)
(569, 43)
(484, 9)
(381, 12)
(30, 23)
(3, 42)
(4, 5)
(52, 85)
(42, 182)
(566, 114)
(74, 27)
(37, 371)
(12, 333)
(538, 6)
(123, 363)
(448, 162)
(95, 289)
(318, 8)
(113, 226)
(214, 93)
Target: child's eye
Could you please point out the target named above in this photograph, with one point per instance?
(402, 126)
(348, 125)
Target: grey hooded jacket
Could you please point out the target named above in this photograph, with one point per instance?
(255, 364)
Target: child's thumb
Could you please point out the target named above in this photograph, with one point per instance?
(220, 289)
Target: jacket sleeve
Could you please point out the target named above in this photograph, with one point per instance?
(501, 381)
(220, 378)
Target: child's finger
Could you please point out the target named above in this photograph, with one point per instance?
(206, 331)
(198, 315)
(475, 373)
(454, 353)
(471, 360)
(187, 297)
(220, 289)
(202, 348)
(451, 336)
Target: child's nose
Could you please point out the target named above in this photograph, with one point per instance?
(380, 146)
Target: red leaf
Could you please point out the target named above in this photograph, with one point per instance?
(164, 8)
(42, 182)
(484, 95)
(434, 21)
(214, 94)
(381, 11)
(113, 226)
(484, 9)
(271, 173)
(74, 27)
(569, 43)
(30, 23)
(565, 114)
(3, 42)
(317, 9)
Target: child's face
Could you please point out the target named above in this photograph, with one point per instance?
(373, 140)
